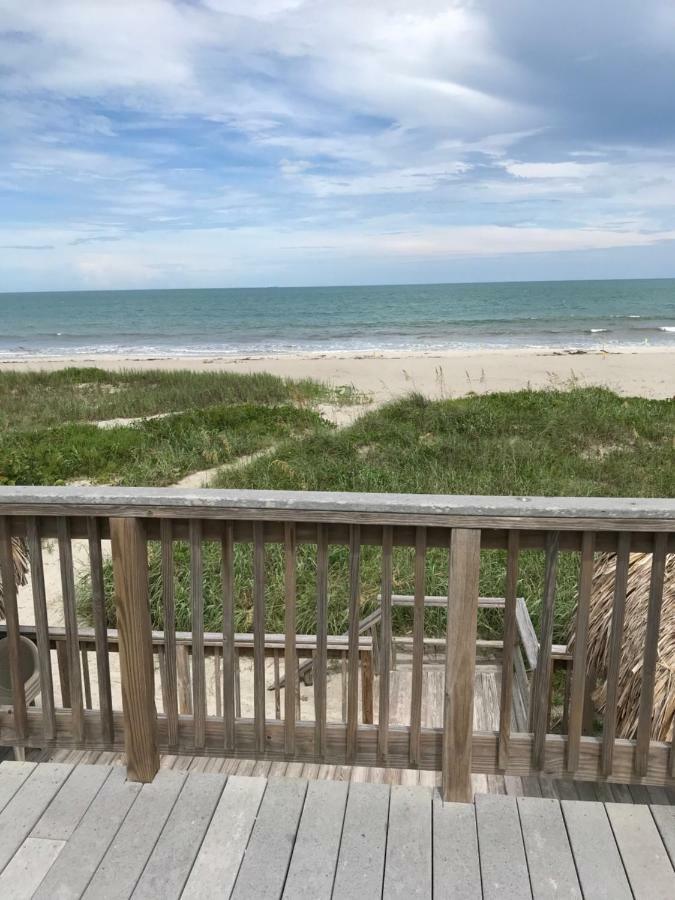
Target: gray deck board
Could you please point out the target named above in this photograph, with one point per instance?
(644, 855)
(170, 863)
(28, 867)
(408, 865)
(77, 862)
(27, 805)
(664, 816)
(549, 857)
(12, 776)
(360, 868)
(503, 865)
(125, 858)
(597, 858)
(63, 815)
(263, 871)
(455, 851)
(312, 869)
(215, 869)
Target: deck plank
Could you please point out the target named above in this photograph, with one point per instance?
(502, 854)
(19, 816)
(77, 862)
(455, 851)
(263, 870)
(596, 855)
(63, 814)
(170, 863)
(549, 857)
(408, 866)
(215, 869)
(360, 867)
(312, 869)
(125, 858)
(644, 856)
(28, 866)
(12, 776)
(664, 816)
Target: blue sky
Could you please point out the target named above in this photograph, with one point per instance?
(149, 143)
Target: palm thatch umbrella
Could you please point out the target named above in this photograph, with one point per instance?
(20, 555)
(630, 670)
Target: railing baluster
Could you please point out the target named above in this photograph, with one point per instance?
(277, 688)
(578, 690)
(12, 622)
(460, 663)
(183, 680)
(37, 577)
(290, 654)
(615, 646)
(321, 656)
(237, 685)
(198, 663)
(343, 687)
(650, 654)
(86, 678)
(170, 680)
(385, 645)
(543, 673)
(418, 646)
(70, 621)
(98, 611)
(130, 568)
(353, 628)
(229, 660)
(508, 650)
(259, 636)
(217, 682)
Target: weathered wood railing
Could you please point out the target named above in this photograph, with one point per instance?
(464, 526)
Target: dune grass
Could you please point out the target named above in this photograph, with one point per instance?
(581, 442)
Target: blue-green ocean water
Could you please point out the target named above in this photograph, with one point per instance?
(570, 314)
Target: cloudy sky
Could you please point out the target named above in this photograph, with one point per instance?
(151, 143)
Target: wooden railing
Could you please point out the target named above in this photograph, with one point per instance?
(463, 526)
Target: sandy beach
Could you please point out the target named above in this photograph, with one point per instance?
(644, 371)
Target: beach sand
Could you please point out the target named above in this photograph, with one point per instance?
(646, 372)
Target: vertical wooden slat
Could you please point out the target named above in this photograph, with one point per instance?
(460, 664)
(578, 690)
(130, 569)
(98, 611)
(259, 636)
(367, 671)
(343, 687)
(543, 674)
(510, 640)
(353, 629)
(86, 678)
(321, 656)
(12, 622)
(290, 654)
(277, 688)
(37, 577)
(70, 621)
(170, 679)
(229, 688)
(217, 681)
(650, 653)
(64, 675)
(198, 664)
(237, 685)
(183, 680)
(385, 645)
(418, 646)
(615, 645)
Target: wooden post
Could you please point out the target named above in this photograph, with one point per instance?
(367, 687)
(130, 569)
(460, 664)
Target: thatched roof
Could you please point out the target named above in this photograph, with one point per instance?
(630, 672)
(20, 553)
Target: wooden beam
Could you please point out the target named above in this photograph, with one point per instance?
(130, 570)
(460, 663)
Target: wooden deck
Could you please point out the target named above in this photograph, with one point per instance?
(84, 831)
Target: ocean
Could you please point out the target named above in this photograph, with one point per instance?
(325, 320)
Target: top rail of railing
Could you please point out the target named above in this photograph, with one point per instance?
(564, 513)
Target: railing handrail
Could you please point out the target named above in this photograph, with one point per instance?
(598, 513)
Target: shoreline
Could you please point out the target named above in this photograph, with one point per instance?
(645, 371)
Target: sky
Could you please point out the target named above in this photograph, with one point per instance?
(207, 143)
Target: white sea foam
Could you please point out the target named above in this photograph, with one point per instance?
(597, 330)
(669, 328)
